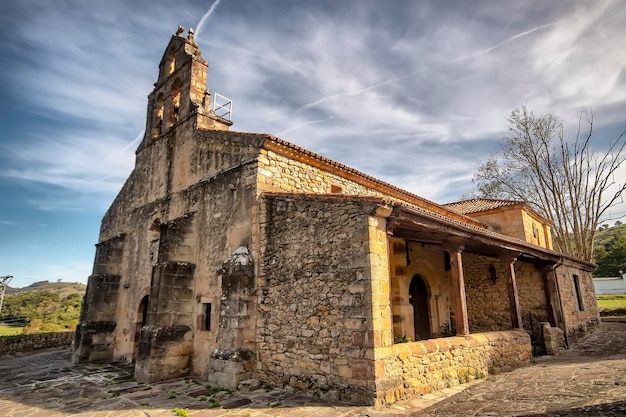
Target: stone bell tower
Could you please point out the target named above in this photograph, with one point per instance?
(180, 92)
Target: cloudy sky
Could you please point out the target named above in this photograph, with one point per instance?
(413, 92)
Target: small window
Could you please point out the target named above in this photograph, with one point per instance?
(335, 189)
(206, 317)
(579, 294)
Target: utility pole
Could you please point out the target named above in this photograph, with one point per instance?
(4, 283)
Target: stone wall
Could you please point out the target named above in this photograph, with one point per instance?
(211, 174)
(427, 261)
(30, 342)
(177, 160)
(316, 329)
(98, 320)
(518, 223)
(580, 318)
(166, 341)
(487, 301)
(280, 173)
(416, 368)
(531, 291)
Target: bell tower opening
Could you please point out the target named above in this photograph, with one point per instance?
(171, 62)
(180, 92)
(174, 104)
(158, 115)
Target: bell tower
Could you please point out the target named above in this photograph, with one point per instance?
(180, 92)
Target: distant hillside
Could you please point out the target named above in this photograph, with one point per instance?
(605, 236)
(63, 289)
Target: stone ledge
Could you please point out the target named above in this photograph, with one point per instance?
(409, 370)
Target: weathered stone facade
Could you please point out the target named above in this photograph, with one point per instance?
(579, 305)
(234, 256)
(315, 327)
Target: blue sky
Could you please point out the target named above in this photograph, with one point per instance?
(412, 92)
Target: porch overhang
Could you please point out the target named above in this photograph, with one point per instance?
(428, 228)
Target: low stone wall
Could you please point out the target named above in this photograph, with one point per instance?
(408, 370)
(31, 342)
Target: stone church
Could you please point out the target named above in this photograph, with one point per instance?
(231, 256)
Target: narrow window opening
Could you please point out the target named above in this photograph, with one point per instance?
(335, 189)
(446, 261)
(579, 295)
(206, 317)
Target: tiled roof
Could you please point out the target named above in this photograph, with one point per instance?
(455, 224)
(372, 182)
(476, 205)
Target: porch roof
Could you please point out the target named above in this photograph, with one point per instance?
(429, 228)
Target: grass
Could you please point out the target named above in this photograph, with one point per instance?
(181, 412)
(612, 305)
(214, 390)
(9, 330)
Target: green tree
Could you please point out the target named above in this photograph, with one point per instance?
(613, 258)
(42, 311)
(568, 181)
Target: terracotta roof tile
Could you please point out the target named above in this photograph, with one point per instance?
(408, 197)
(476, 205)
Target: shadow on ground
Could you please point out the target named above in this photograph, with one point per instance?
(589, 379)
(614, 409)
(47, 384)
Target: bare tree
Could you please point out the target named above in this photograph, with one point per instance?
(568, 181)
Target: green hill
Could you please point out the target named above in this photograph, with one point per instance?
(41, 307)
(63, 289)
(603, 237)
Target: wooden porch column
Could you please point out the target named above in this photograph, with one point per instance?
(549, 282)
(458, 282)
(511, 284)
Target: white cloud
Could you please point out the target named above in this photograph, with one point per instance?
(99, 164)
(71, 272)
(580, 60)
(330, 81)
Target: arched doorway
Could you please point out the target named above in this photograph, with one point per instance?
(142, 314)
(418, 297)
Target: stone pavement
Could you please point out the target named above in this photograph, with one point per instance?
(589, 379)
